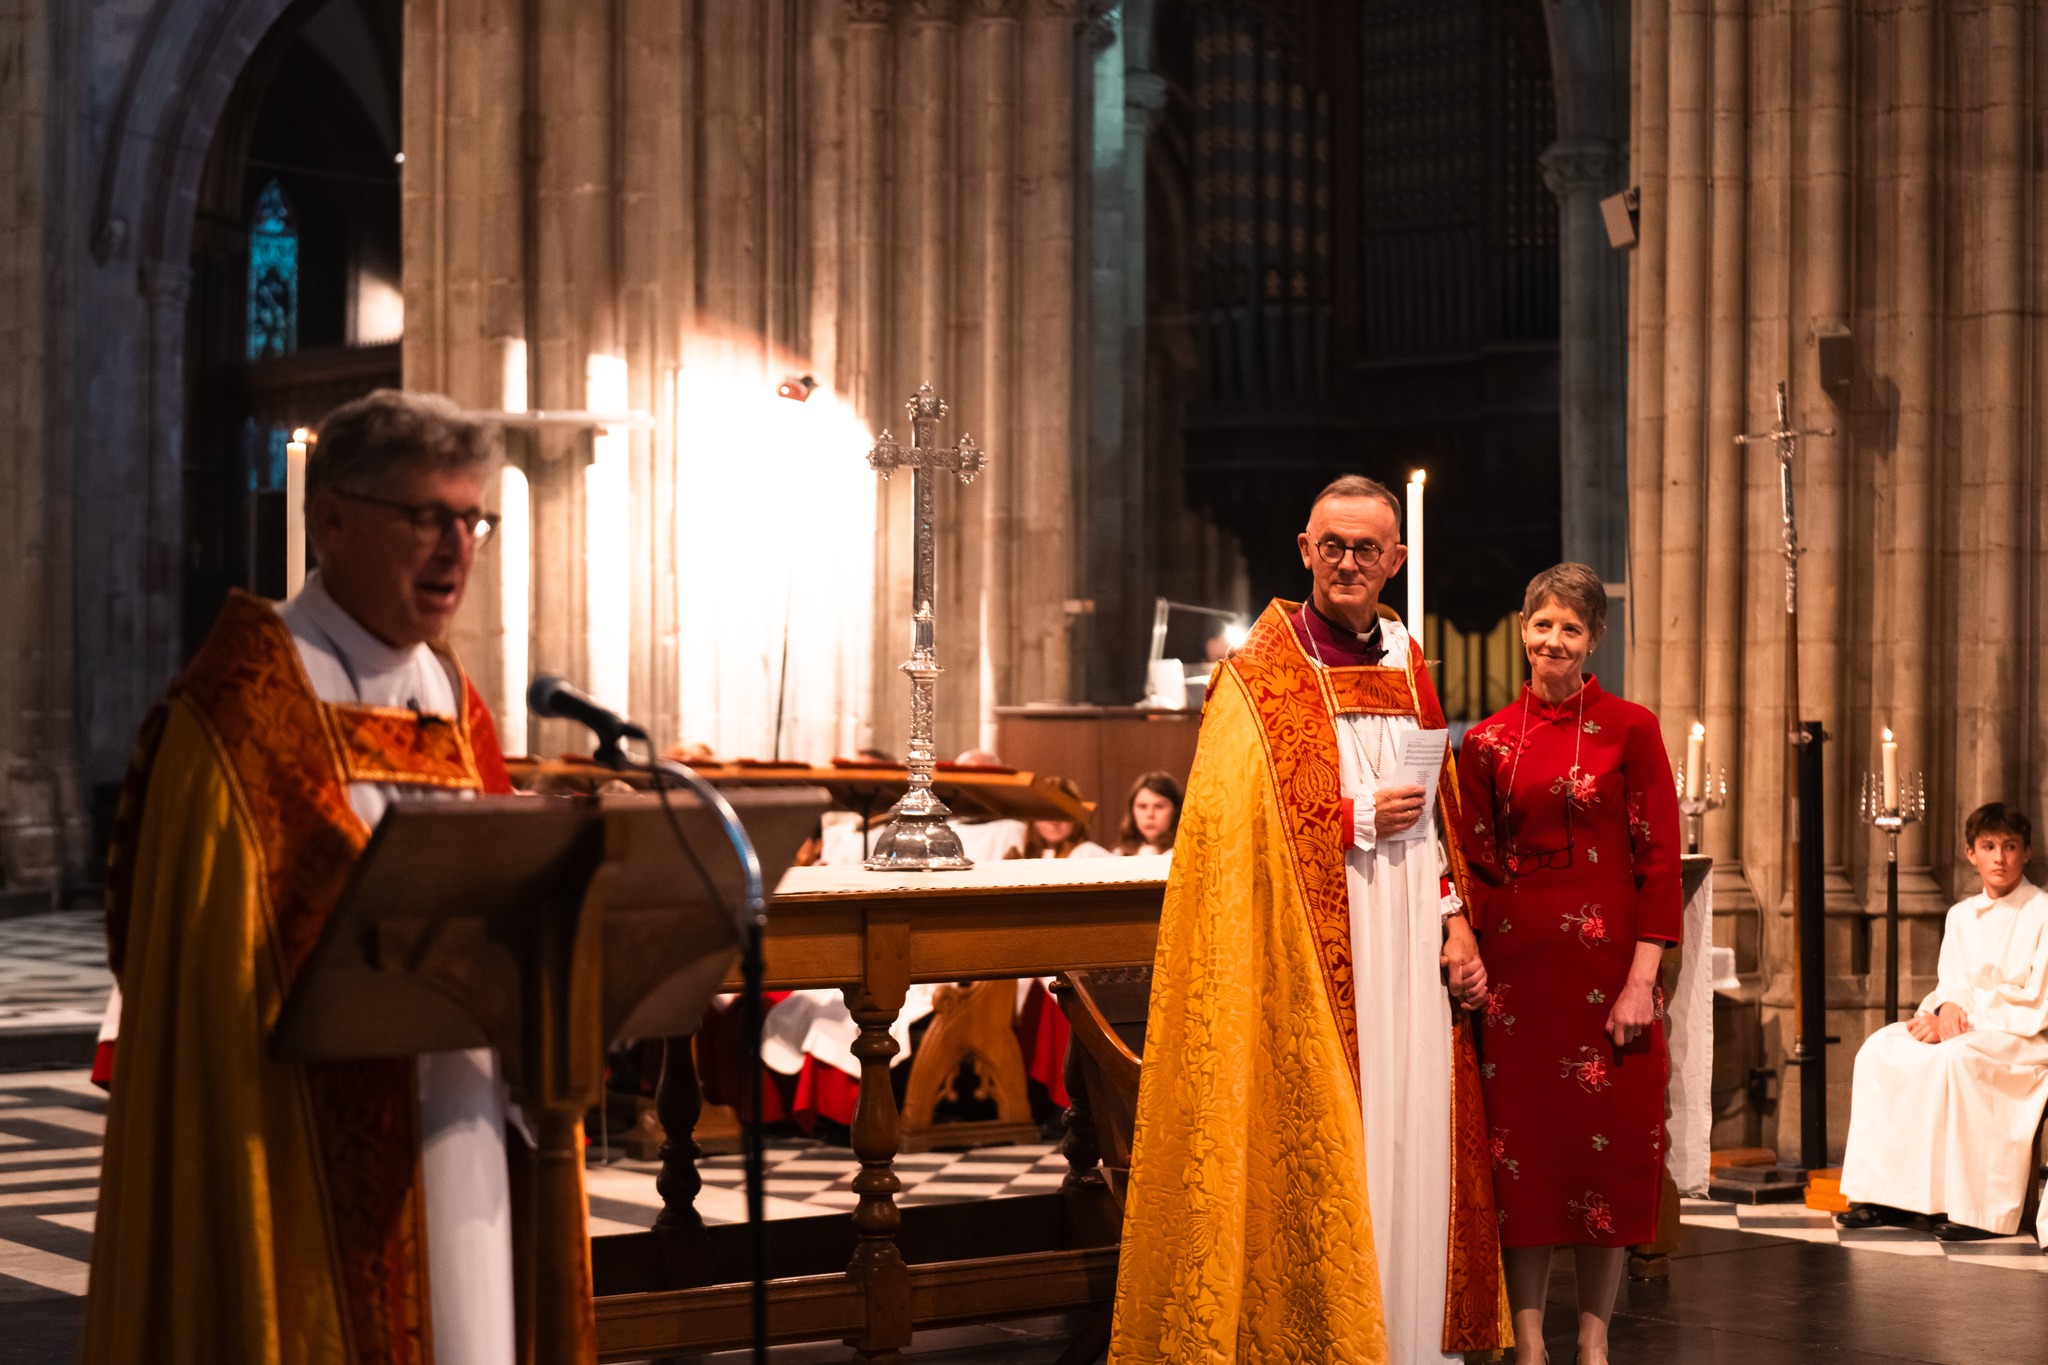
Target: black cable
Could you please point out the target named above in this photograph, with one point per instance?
(753, 1145)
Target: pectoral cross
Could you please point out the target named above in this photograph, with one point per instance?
(917, 837)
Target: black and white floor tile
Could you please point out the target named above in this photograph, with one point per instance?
(51, 1127)
(53, 970)
(1796, 1222)
(807, 1178)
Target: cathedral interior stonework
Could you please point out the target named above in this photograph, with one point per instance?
(1174, 266)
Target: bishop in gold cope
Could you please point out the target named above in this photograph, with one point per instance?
(251, 1210)
(1310, 1178)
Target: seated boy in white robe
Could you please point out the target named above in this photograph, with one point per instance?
(1945, 1105)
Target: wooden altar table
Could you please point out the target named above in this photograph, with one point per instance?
(876, 1277)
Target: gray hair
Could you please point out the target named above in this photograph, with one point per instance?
(384, 431)
(1574, 586)
(1358, 486)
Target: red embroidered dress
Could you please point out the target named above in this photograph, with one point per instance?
(1572, 831)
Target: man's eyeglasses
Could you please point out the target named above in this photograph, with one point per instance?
(431, 521)
(1365, 553)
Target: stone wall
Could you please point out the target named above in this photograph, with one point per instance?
(42, 829)
(1808, 169)
(883, 189)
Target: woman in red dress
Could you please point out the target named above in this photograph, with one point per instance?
(1571, 827)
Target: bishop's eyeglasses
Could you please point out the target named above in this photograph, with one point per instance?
(1365, 553)
(431, 521)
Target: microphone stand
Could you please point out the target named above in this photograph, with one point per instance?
(749, 920)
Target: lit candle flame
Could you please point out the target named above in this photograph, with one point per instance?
(1419, 476)
(302, 435)
(1887, 734)
(1699, 731)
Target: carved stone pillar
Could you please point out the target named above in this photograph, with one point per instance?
(1045, 343)
(1592, 370)
(43, 835)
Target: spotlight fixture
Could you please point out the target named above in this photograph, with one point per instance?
(797, 388)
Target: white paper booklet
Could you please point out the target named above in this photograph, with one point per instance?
(1418, 763)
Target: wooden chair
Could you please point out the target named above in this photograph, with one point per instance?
(1106, 1015)
(972, 1021)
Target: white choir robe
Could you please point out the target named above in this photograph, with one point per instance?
(816, 1023)
(465, 1185)
(1947, 1128)
(1404, 1040)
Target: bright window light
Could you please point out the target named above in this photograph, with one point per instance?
(775, 534)
(608, 541)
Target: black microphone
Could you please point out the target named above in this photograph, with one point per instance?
(551, 697)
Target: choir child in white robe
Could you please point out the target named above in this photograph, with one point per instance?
(1945, 1105)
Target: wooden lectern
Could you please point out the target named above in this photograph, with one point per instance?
(544, 929)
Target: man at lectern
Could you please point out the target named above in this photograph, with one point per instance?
(251, 1210)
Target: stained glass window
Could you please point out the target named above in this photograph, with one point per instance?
(273, 275)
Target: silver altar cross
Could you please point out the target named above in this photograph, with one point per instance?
(1786, 438)
(1807, 1049)
(917, 838)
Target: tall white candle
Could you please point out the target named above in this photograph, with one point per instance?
(1695, 754)
(1891, 771)
(295, 514)
(1414, 619)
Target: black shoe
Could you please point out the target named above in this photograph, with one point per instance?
(1946, 1231)
(1873, 1216)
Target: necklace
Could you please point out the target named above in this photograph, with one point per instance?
(1571, 782)
(1379, 731)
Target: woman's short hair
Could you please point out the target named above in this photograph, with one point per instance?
(1995, 817)
(362, 442)
(1575, 586)
(1128, 839)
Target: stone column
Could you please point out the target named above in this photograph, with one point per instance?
(1822, 250)
(1767, 358)
(1721, 611)
(864, 292)
(1592, 363)
(1688, 262)
(987, 313)
(1913, 489)
(654, 96)
(1046, 341)
(43, 834)
(1646, 345)
(928, 228)
(1991, 501)
(152, 649)
(463, 191)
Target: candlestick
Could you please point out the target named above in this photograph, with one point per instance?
(1890, 807)
(1891, 771)
(1701, 789)
(295, 513)
(1415, 482)
(1695, 751)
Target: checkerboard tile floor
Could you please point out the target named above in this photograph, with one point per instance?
(809, 1178)
(52, 1124)
(1799, 1223)
(53, 970)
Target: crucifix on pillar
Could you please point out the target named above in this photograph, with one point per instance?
(1803, 796)
(917, 838)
